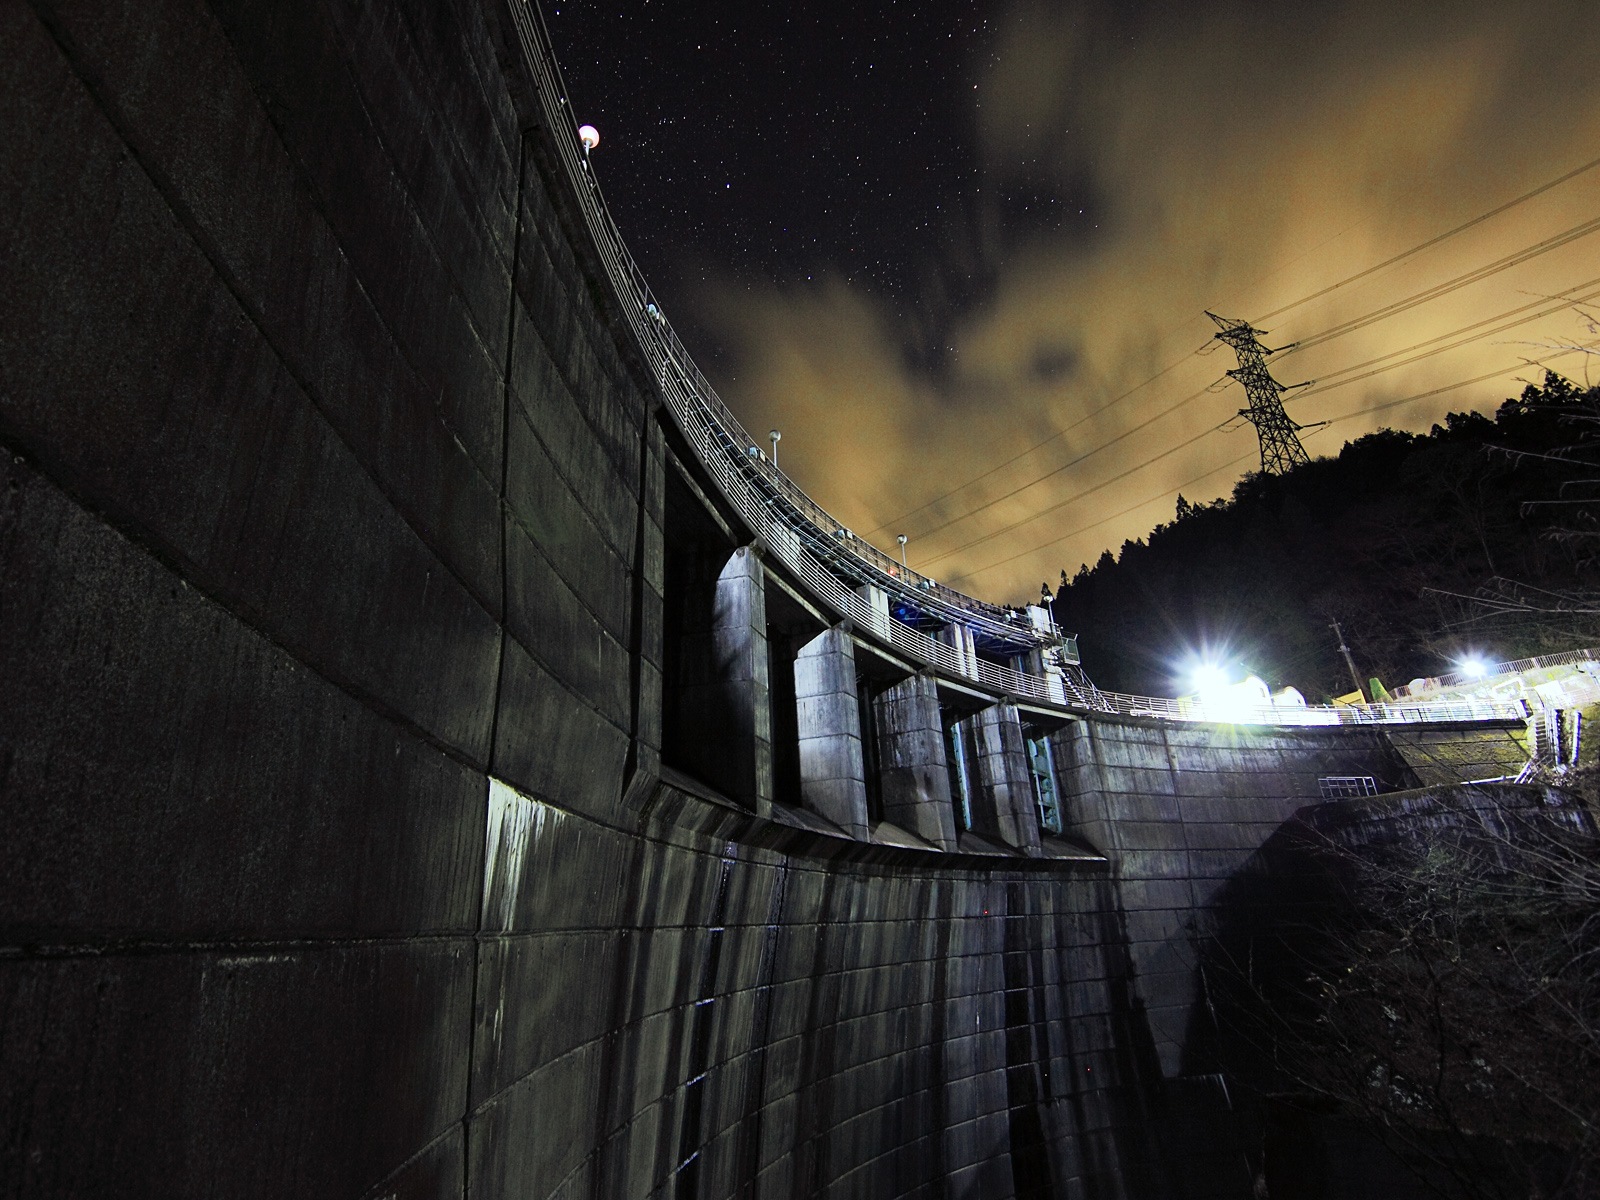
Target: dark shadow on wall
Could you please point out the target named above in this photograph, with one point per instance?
(1112, 1095)
(1295, 929)
(693, 725)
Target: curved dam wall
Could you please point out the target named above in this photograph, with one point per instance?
(337, 666)
(331, 496)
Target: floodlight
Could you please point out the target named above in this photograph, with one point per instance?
(1207, 679)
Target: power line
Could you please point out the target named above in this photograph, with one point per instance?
(1073, 498)
(1287, 308)
(1162, 495)
(1433, 241)
(892, 521)
(1372, 317)
(1020, 488)
(1388, 404)
(1068, 465)
(1368, 318)
(1204, 347)
(1324, 386)
(1165, 492)
(1431, 353)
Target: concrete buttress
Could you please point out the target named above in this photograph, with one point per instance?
(915, 772)
(833, 778)
(739, 649)
(1005, 807)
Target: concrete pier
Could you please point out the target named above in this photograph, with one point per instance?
(877, 601)
(833, 778)
(1004, 807)
(739, 637)
(727, 703)
(959, 639)
(915, 772)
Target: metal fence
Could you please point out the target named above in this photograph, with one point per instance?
(1515, 667)
(794, 528)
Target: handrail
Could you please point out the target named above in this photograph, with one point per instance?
(1313, 714)
(1516, 666)
(786, 519)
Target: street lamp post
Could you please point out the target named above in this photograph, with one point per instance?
(901, 538)
(775, 437)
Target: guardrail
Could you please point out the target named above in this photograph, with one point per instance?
(1515, 667)
(770, 502)
(1312, 714)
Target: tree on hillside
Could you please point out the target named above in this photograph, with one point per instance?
(1574, 515)
(1397, 538)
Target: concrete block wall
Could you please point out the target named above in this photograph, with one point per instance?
(862, 1024)
(251, 360)
(1441, 755)
(1180, 810)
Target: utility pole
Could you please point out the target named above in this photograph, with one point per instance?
(1355, 676)
(1280, 443)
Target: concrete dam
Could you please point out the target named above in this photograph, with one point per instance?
(439, 759)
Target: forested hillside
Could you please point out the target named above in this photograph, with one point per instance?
(1475, 537)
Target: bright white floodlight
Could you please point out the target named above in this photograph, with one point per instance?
(589, 136)
(1207, 680)
(1474, 667)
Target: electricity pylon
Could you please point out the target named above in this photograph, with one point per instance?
(1280, 447)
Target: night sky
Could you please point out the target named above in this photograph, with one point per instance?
(959, 253)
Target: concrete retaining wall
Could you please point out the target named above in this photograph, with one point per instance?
(1180, 808)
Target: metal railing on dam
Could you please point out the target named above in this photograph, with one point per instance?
(819, 550)
(1487, 675)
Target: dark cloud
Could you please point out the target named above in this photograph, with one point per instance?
(1053, 363)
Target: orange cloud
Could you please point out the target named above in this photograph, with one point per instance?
(1234, 158)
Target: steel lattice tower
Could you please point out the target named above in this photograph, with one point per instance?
(1280, 445)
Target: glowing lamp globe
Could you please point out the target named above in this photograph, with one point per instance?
(589, 136)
